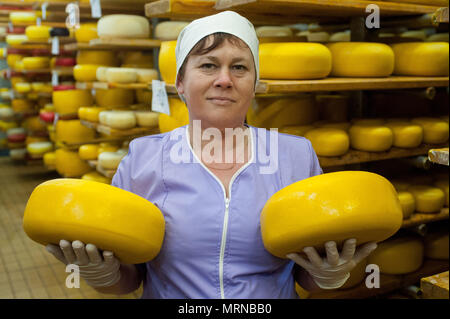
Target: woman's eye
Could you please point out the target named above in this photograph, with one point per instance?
(207, 66)
(239, 67)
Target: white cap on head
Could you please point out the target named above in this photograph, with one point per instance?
(227, 22)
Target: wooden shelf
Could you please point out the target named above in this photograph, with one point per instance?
(439, 156)
(388, 283)
(133, 132)
(111, 7)
(355, 156)
(281, 11)
(435, 287)
(115, 44)
(418, 218)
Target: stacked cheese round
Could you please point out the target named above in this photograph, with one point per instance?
(118, 119)
(107, 147)
(22, 87)
(69, 164)
(34, 124)
(95, 213)
(146, 75)
(35, 62)
(421, 58)
(85, 72)
(398, 256)
(273, 31)
(18, 153)
(73, 132)
(106, 58)
(361, 59)
(147, 118)
(436, 245)
(88, 152)
(370, 137)
(319, 209)
(167, 61)
(68, 101)
(86, 32)
(39, 148)
(49, 160)
(137, 59)
(113, 97)
(328, 141)
(93, 113)
(406, 134)
(443, 185)
(428, 199)
(15, 40)
(96, 177)
(407, 202)
(294, 61)
(435, 130)
(37, 33)
(169, 30)
(111, 160)
(123, 26)
(121, 75)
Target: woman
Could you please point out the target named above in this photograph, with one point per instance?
(212, 192)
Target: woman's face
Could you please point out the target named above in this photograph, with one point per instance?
(219, 86)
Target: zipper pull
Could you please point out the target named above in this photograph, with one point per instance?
(227, 203)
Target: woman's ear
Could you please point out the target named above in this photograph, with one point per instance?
(180, 87)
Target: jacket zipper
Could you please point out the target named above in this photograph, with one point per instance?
(222, 247)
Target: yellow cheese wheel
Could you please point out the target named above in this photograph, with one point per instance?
(421, 58)
(435, 130)
(92, 113)
(11, 59)
(96, 177)
(34, 139)
(428, 199)
(34, 124)
(406, 134)
(85, 72)
(17, 17)
(436, 245)
(114, 97)
(49, 159)
(351, 59)
(88, 152)
(407, 202)
(179, 116)
(294, 61)
(38, 33)
(86, 32)
(111, 160)
(16, 39)
(118, 119)
(299, 110)
(398, 256)
(370, 138)
(123, 26)
(69, 164)
(73, 132)
(38, 148)
(95, 213)
(106, 58)
(443, 185)
(22, 87)
(36, 62)
(82, 111)
(68, 101)
(147, 118)
(167, 61)
(319, 209)
(107, 147)
(328, 141)
(298, 130)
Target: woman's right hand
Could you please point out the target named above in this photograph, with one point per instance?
(95, 269)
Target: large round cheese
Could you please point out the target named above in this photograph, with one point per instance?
(38, 148)
(96, 177)
(118, 119)
(16, 39)
(443, 185)
(428, 199)
(398, 256)
(294, 61)
(407, 202)
(361, 59)
(147, 118)
(179, 116)
(435, 130)
(436, 245)
(95, 213)
(69, 164)
(328, 141)
(35, 62)
(38, 33)
(68, 101)
(167, 61)
(49, 159)
(319, 209)
(370, 138)
(146, 75)
(22, 87)
(421, 58)
(111, 160)
(123, 26)
(169, 30)
(406, 135)
(106, 58)
(298, 130)
(85, 72)
(101, 74)
(73, 132)
(114, 97)
(438, 37)
(92, 113)
(88, 152)
(121, 75)
(18, 153)
(86, 32)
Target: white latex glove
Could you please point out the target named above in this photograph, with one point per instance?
(333, 271)
(95, 270)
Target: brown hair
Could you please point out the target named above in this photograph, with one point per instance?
(200, 47)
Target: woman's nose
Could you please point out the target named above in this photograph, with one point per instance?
(223, 79)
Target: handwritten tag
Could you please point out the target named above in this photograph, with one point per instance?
(55, 45)
(55, 78)
(96, 9)
(160, 101)
(44, 10)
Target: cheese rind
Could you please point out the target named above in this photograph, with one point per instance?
(406, 135)
(328, 141)
(371, 138)
(407, 202)
(123, 26)
(435, 130)
(68, 101)
(428, 199)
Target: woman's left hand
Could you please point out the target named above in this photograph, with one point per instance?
(333, 271)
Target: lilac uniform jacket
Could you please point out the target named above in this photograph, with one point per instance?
(212, 245)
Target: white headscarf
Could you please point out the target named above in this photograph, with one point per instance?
(227, 22)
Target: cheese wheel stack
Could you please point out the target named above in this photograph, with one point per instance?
(328, 141)
(370, 137)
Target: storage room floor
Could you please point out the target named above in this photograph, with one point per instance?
(27, 270)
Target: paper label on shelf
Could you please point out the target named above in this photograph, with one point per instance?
(160, 101)
(38, 21)
(73, 18)
(10, 26)
(55, 78)
(55, 45)
(96, 9)
(55, 119)
(44, 10)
